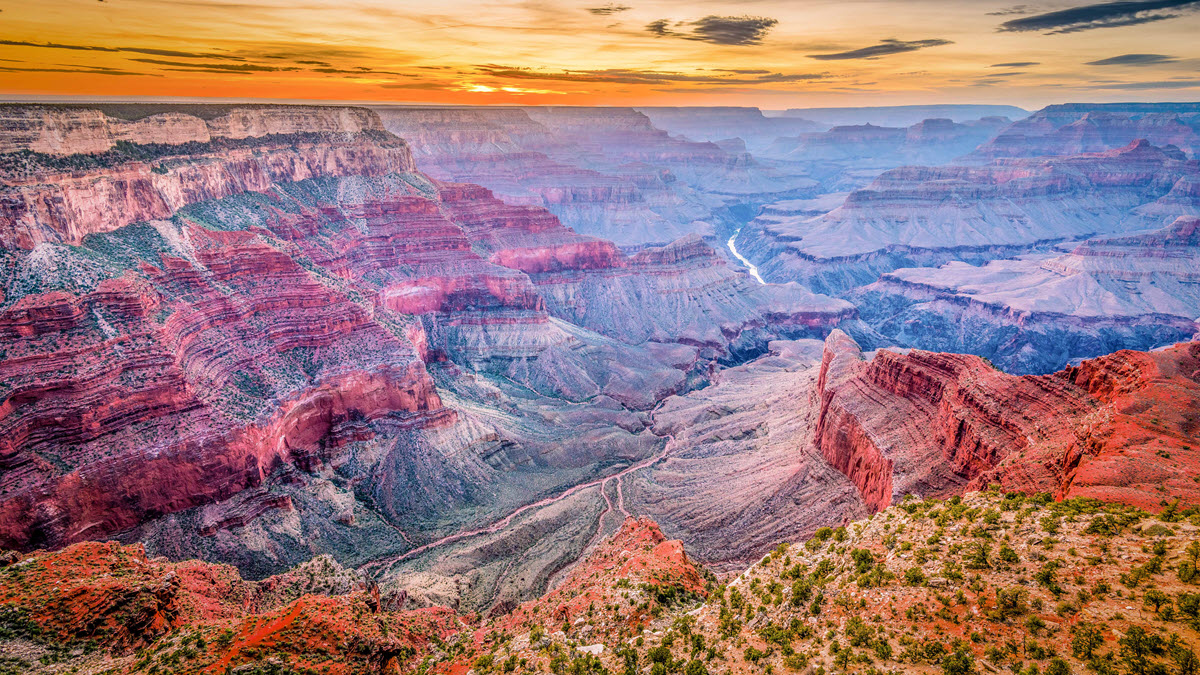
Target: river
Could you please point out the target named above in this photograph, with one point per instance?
(749, 265)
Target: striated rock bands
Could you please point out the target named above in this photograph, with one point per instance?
(1119, 427)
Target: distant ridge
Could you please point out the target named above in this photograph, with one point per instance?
(901, 115)
(1131, 107)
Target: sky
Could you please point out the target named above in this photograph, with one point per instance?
(773, 54)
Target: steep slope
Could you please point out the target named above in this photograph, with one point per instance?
(867, 146)
(1076, 128)
(524, 162)
(744, 472)
(924, 216)
(981, 582)
(1121, 428)
(94, 604)
(315, 348)
(1037, 313)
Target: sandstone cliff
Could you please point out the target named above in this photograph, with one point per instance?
(1120, 427)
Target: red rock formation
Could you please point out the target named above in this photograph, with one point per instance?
(115, 596)
(1118, 427)
(637, 556)
(66, 207)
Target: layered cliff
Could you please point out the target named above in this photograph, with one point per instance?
(227, 348)
(921, 216)
(1036, 313)
(1089, 127)
(526, 162)
(87, 129)
(1120, 427)
(101, 173)
(101, 605)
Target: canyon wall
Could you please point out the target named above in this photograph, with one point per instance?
(1120, 427)
(926, 216)
(226, 346)
(1035, 313)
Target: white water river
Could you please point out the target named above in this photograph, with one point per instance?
(749, 265)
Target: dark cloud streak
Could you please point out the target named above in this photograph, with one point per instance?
(115, 50)
(736, 31)
(609, 9)
(884, 48)
(625, 76)
(1134, 60)
(1101, 15)
(217, 67)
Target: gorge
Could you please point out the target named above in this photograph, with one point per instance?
(467, 361)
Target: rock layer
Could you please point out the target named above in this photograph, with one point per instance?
(1121, 427)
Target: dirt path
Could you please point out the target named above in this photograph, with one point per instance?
(507, 520)
(621, 500)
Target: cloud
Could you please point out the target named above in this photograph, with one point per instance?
(1161, 84)
(132, 50)
(1015, 64)
(627, 76)
(215, 67)
(884, 48)
(1101, 15)
(721, 30)
(1133, 60)
(609, 9)
(1009, 11)
(89, 71)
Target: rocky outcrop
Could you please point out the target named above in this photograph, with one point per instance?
(933, 424)
(66, 207)
(637, 556)
(117, 600)
(1076, 128)
(923, 216)
(71, 130)
(1034, 314)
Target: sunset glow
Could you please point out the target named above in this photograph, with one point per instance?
(768, 53)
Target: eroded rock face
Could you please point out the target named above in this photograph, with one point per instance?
(120, 600)
(55, 207)
(71, 130)
(924, 216)
(234, 338)
(638, 556)
(1036, 313)
(1076, 128)
(1120, 427)
(607, 172)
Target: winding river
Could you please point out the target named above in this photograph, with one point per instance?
(749, 265)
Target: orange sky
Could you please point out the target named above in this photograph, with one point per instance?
(767, 53)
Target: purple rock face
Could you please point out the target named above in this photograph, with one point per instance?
(413, 337)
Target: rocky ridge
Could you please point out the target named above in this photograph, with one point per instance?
(1119, 428)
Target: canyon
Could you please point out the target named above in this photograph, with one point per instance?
(469, 366)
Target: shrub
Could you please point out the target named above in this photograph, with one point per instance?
(958, 662)
(1086, 639)
(1058, 667)
(913, 576)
